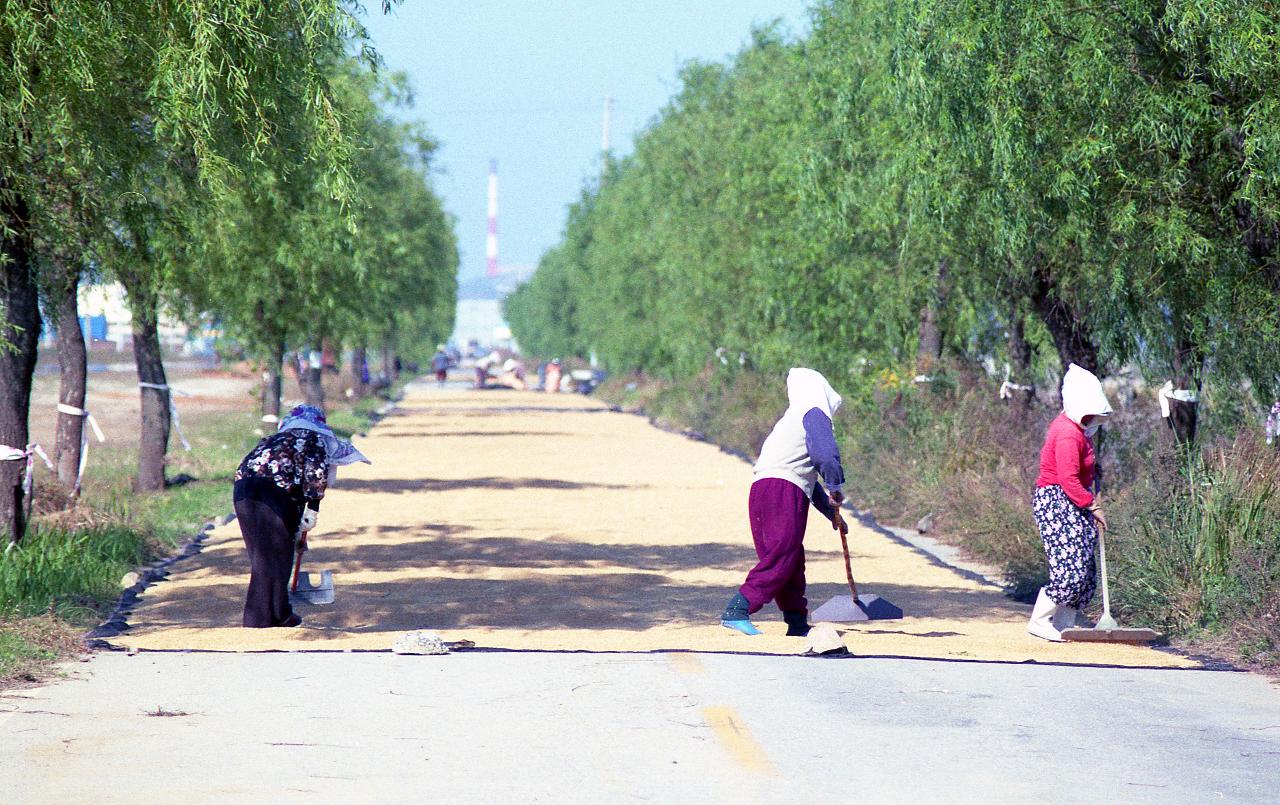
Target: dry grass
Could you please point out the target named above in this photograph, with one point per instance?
(29, 647)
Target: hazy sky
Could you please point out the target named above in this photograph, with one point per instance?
(524, 82)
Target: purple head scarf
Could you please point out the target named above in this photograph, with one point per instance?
(308, 417)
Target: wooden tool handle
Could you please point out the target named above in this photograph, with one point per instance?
(843, 528)
(297, 561)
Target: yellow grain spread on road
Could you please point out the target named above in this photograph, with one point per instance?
(547, 522)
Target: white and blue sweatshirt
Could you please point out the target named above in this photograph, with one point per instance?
(802, 446)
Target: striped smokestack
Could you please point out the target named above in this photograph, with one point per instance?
(491, 241)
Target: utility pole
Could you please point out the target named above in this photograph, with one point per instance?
(608, 114)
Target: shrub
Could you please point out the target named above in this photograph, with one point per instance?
(953, 450)
(1199, 548)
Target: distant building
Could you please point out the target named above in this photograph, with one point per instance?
(105, 317)
(480, 321)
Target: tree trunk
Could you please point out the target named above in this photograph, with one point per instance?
(1188, 360)
(1070, 332)
(359, 366)
(153, 441)
(298, 368)
(930, 350)
(72, 360)
(1020, 354)
(388, 362)
(21, 330)
(313, 380)
(273, 385)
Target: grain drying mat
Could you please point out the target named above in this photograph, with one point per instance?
(547, 522)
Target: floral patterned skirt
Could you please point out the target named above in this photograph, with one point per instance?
(1069, 535)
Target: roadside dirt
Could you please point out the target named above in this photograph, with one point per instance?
(113, 397)
(546, 522)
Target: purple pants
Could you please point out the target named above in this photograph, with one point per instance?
(778, 511)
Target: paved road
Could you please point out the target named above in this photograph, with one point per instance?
(550, 727)
(471, 523)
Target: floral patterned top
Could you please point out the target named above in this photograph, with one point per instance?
(295, 459)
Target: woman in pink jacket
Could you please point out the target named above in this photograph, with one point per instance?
(1066, 510)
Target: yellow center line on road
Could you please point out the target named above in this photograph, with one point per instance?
(737, 740)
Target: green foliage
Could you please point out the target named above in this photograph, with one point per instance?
(1044, 181)
(15, 653)
(56, 568)
(222, 82)
(205, 152)
(283, 264)
(1105, 179)
(700, 232)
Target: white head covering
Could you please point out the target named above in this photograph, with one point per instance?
(807, 389)
(1082, 395)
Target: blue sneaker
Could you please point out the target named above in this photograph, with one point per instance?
(737, 615)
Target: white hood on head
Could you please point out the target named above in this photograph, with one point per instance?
(1082, 395)
(807, 389)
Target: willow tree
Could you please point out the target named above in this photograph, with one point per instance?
(407, 249)
(256, 267)
(282, 265)
(876, 181)
(211, 84)
(1130, 160)
(65, 227)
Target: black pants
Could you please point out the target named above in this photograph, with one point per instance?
(268, 521)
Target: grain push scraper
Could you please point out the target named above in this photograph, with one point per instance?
(853, 607)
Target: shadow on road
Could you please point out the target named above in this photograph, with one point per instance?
(457, 579)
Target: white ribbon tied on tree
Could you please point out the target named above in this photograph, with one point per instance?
(1168, 392)
(28, 454)
(1007, 389)
(71, 410)
(173, 410)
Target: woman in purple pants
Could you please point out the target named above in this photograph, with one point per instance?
(799, 451)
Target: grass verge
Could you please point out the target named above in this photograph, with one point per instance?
(29, 646)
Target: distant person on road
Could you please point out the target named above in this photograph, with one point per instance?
(551, 382)
(800, 450)
(440, 365)
(482, 369)
(1067, 513)
(277, 494)
(513, 374)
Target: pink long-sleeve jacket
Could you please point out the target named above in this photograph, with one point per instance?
(1067, 460)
